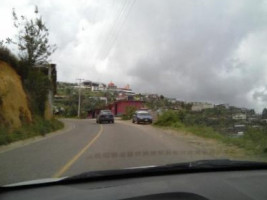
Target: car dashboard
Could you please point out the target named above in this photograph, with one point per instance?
(245, 185)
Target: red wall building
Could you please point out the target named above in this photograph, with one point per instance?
(119, 107)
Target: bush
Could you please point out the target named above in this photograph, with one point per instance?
(205, 131)
(254, 141)
(178, 125)
(38, 127)
(8, 57)
(130, 110)
(37, 85)
(168, 118)
(257, 138)
(4, 135)
(125, 117)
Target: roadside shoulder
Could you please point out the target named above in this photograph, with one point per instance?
(14, 145)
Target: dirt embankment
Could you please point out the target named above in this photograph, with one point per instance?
(13, 100)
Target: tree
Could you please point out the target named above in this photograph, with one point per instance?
(264, 113)
(129, 112)
(7, 56)
(37, 86)
(188, 106)
(33, 46)
(32, 39)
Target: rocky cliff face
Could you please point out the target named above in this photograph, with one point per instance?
(13, 100)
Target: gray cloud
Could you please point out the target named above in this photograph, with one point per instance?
(261, 95)
(191, 49)
(201, 50)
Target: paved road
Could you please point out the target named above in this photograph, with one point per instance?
(84, 145)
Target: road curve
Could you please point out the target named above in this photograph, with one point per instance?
(85, 146)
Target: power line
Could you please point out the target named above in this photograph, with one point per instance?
(96, 53)
(112, 30)
(119, 30)
(117, 25)
(79, 97)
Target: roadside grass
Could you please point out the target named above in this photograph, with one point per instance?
(254, 142)
(37, 128)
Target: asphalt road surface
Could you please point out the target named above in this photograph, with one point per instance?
(84, 146)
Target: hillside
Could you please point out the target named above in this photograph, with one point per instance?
(13, 101)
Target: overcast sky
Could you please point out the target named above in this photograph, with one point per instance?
(193, 50)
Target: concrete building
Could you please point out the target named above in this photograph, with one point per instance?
(239, 116)
(112, 86)
(119, 107)
(198, 106)
(93, 86)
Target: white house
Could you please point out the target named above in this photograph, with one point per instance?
(198, 106)
(239, 116)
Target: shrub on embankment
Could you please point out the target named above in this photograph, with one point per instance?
(21, 113)
(254, 141)
(38, 127)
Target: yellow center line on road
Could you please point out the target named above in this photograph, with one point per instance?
(78, 155)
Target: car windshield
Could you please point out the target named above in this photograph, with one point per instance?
(112, 84)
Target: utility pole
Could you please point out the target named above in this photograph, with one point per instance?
(50, 92)
(79, 101)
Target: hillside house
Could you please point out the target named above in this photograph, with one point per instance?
(239, 116)
(198, 106)
(119, 107)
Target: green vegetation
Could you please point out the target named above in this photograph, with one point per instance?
(37, 85)
(67, 105)
(32, 42)
(38, 127)
(254, 140)
(128, 113)
(161, 102)
(264, 113)
(8, 57)
(33, 49)
(32, 39)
